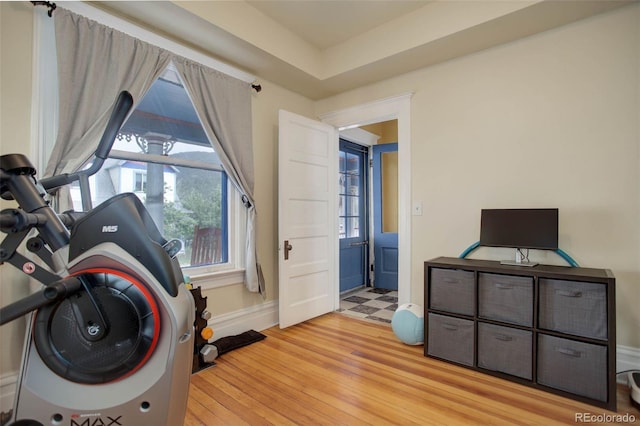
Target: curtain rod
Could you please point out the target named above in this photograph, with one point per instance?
(50, 5)
(87, 10)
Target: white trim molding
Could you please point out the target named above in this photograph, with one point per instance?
(627, 358)
(258, 318)
(368, 113)
(7, 390)
(224, 278)
(359, 136)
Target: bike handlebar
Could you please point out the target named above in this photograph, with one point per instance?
(53, 292)
(16, 220)
(121, 109)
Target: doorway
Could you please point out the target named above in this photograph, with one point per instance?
(375, 297)
(395, 107)
(301, 299)
(298, 303)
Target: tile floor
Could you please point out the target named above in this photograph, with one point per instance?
(375, 304)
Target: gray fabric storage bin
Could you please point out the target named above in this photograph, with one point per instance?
(452, 290)
(573, 307)
(576, 367)
(450, 338)
(507, 350)
(507, 298)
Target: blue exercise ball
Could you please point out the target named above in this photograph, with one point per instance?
(407, 324)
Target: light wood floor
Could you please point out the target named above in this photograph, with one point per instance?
(335, 370)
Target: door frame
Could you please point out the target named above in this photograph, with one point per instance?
(396, 107)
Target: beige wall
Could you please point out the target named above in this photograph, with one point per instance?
(15, 106)
(389, 189)
(387, 130)
(550, 120)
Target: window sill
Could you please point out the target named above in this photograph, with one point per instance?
(210, 280)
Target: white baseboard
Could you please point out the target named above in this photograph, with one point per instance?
(256, 318)
(627, 358)
(7, 390)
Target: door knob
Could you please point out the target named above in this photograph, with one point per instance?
(287, 248)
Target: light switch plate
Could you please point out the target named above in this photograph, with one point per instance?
(417, 208)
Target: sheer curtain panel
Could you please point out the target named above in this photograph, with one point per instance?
(223, 104)
(95, 63)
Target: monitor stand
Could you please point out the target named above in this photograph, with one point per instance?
(521, 260)
(514, 263)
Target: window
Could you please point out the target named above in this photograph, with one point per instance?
(352, 202)
(129, 159)
(163, 156)
(139, 181)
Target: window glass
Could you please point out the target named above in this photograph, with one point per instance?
(140, 181)
(163, 156)
(353, 164)
(351, 184)
(353, 230)
(342, 161)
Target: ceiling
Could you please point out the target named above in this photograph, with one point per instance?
(327, 23)
(320, 48)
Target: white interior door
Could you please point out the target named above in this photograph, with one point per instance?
(307, 218)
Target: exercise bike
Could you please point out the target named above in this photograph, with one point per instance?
(110, 337)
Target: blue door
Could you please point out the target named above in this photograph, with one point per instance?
(385, 215)
(353, 216)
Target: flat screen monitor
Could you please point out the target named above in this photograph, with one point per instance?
(519, 228)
